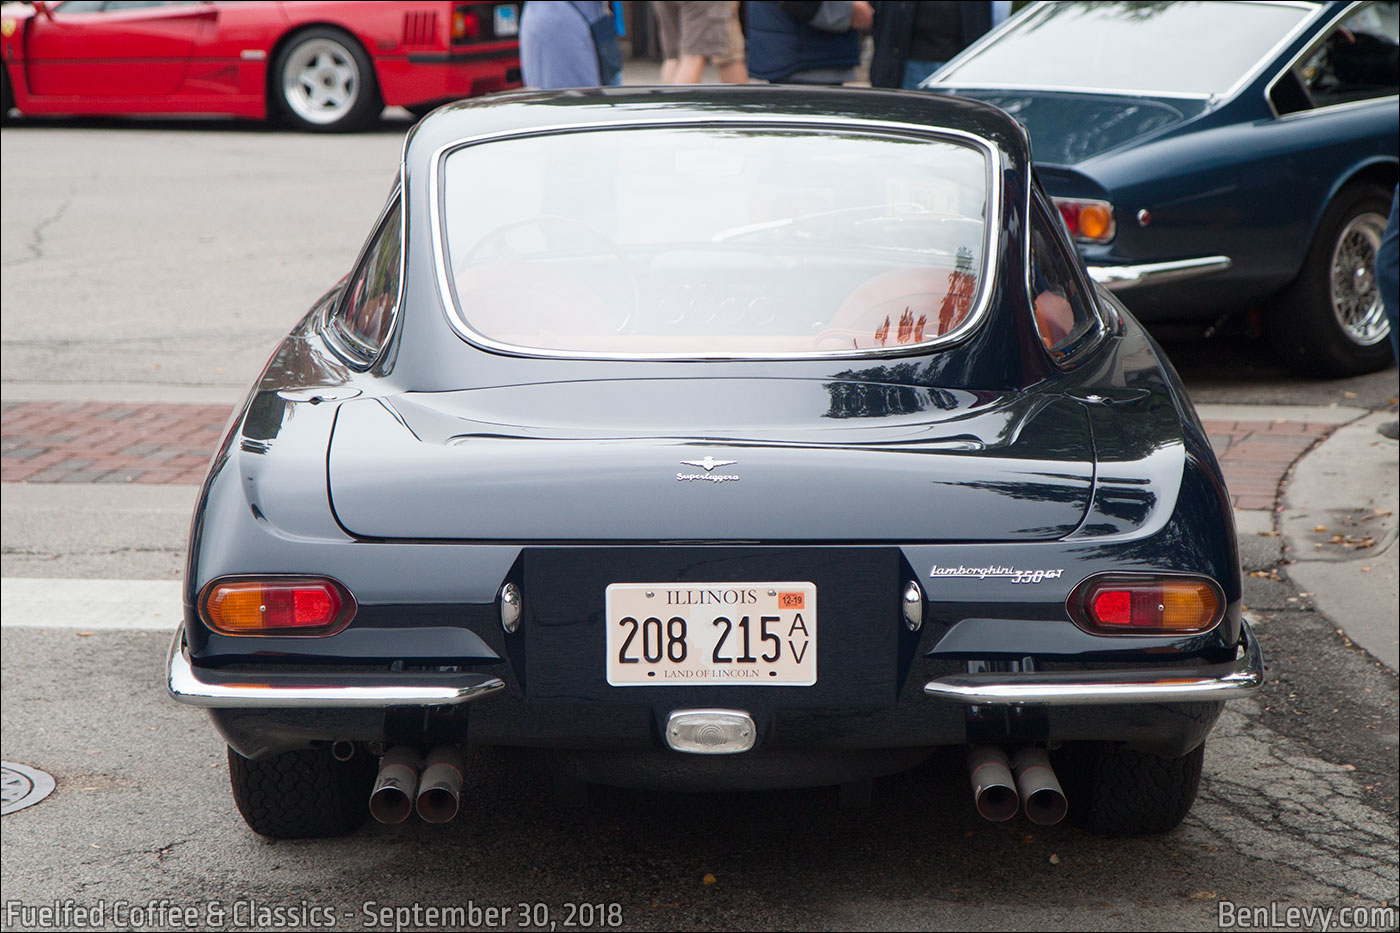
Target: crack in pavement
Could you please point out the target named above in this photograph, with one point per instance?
(36, 234)
(1271, 800)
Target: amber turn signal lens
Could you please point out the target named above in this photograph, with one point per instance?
(1094, 221)
(278, 606)
(1146, 605)
(1090, 220)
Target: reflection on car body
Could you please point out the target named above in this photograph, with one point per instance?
(682, 462)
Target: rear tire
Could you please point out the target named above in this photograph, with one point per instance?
(1330, 321)
(303, 794)
(7, 95)
(1119, 792)
(324, 82)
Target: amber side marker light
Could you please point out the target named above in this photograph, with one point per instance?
(1116, 604)
(277, 606)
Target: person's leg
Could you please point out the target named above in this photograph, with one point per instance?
(732, 68)
(1388, 271)
(915, 72)
(690, 69)
(1388, 281)
(703, 36)
(667, 13)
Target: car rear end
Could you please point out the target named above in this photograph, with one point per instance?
(451, 51)
(693, 465)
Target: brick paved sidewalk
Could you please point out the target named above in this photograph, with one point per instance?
(84, 442)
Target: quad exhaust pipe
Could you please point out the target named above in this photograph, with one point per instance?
(993, 787)
(1041, 794)
(1001, 786)
(391, 801)
(440, 789)
(409, 781)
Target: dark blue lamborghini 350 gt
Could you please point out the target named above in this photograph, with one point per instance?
(708, 439)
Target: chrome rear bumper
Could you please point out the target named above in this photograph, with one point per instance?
(1122, 278)
(1097, 688)
(212, 688)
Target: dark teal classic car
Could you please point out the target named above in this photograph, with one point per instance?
(1215, 158)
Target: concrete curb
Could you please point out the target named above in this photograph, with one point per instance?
(1338, 518)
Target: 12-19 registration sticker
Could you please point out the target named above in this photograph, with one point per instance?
(715, 634)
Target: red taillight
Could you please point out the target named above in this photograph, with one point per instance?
(1088, 220)
(1117, 604)
(466, 25)
(277, 606)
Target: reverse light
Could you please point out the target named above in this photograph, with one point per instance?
(1122, 604)
(1089, 221)
(277, 606)
(466, 25)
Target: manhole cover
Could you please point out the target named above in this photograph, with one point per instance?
(22, 786)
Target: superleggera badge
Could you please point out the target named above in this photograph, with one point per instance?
(1015, 574)
(708, 464)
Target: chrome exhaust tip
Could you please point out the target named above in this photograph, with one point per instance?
(391, 801)
(440, 788)
(993, 788)
(1040, 790)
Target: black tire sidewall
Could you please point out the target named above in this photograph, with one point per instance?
(367, 105)
(1302, 325)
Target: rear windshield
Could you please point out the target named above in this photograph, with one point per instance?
(1188, 48)
(715, 242)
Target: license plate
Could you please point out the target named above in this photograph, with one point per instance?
(506, 20)
(712, 634)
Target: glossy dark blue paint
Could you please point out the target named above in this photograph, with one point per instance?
(426, 482)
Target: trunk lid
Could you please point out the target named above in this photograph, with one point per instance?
(707, 460)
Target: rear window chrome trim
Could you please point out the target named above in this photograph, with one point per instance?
(993, 164)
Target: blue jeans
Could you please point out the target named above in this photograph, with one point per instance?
(1388, 271)
(916, 72)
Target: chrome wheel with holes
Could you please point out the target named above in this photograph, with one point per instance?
(1356, 301)
(325, 81)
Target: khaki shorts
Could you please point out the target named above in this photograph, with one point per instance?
(699, 27)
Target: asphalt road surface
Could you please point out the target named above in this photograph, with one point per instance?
(160, 262)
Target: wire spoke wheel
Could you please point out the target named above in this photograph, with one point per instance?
(1356, 299)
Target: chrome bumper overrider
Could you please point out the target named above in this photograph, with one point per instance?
(1122, 278)
(208, 687)
(1084, 688)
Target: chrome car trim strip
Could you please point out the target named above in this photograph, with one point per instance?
(343, 344)
(185, 685)
(1345, 14)
(1100, 688)
(1122, 278)
(993, 162)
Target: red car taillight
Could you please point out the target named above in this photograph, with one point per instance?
(466, 24)
(277, 606)
(1089, 221)
(1136, 604)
